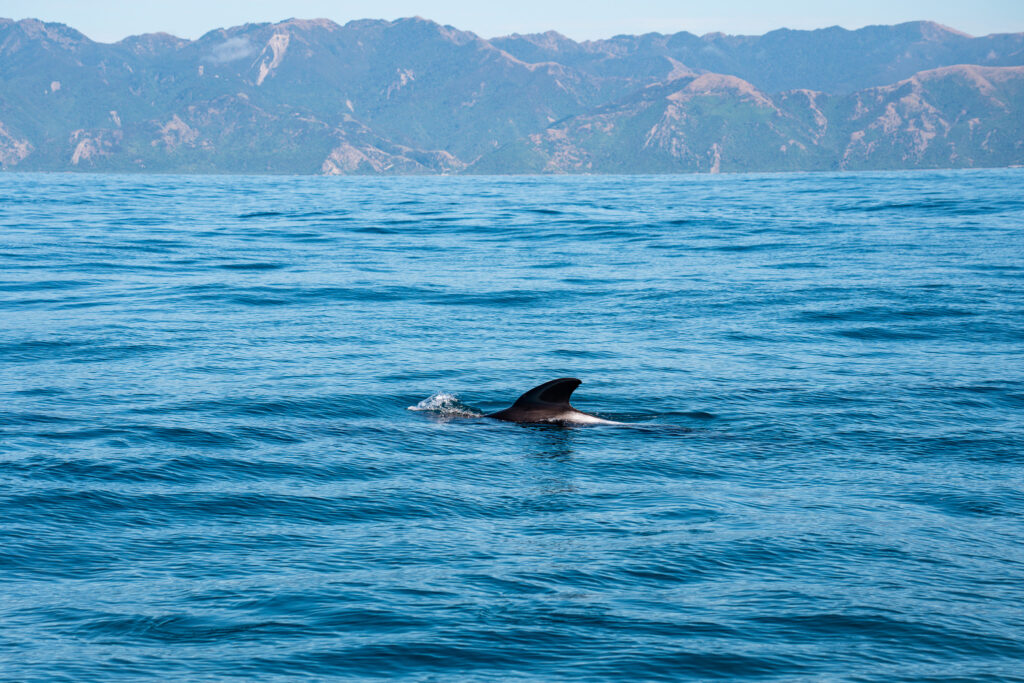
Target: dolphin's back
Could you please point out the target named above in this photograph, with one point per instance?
(548, 402)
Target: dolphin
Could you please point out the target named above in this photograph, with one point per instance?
(548, 403)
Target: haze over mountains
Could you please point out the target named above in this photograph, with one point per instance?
(412, 96)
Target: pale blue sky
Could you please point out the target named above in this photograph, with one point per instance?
(111, 20)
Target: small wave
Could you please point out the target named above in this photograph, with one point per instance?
(444, 404)
(941, 206)
(261, 214)
(883, 333)
(251, 266)
(44, 285)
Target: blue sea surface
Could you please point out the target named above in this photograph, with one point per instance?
(209, 468)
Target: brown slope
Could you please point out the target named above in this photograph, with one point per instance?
(961, 116)
(957, 116)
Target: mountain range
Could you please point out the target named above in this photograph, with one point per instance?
(413, 96)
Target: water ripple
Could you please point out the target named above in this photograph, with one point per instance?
(243, 436)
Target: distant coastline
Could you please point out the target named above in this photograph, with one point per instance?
(415, 97)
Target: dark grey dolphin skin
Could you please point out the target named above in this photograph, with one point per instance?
(547, 403)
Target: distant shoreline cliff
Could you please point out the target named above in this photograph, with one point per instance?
(412, 96)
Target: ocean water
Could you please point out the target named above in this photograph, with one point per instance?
(209, 468)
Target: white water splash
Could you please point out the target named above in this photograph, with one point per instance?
(444, 404)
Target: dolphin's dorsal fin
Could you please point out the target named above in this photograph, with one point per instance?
(555, 392)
